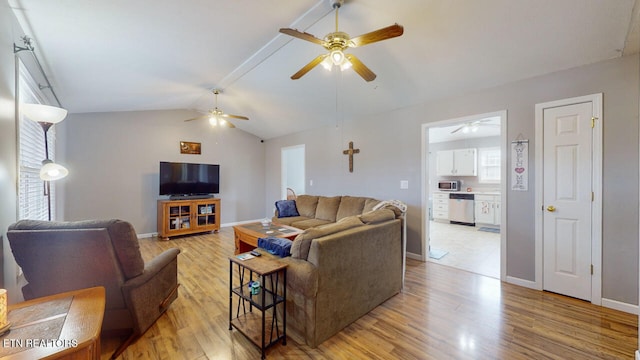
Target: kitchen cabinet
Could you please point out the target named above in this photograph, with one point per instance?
(457, 162)
(440, 207)
(487, 209)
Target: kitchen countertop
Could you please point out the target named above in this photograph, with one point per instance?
(470, 192)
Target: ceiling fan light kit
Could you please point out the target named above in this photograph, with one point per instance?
(218, 117)
(337, 42)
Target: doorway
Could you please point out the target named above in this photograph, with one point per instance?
(475, 242)
(293, 170)
(569, 196)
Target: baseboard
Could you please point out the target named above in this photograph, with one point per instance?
(522, 282)
(618, 305)
(414, 256)
(147, 235)
(240, 222)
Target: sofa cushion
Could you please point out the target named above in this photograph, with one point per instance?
(377, 216)
(302, 243)
(369, 204)
(328, 208)
(309, 223)
(288, 220)
(306, 205)
(349, 206)
(286, 208)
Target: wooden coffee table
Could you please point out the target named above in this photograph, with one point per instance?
(61, 326)
(246, 235)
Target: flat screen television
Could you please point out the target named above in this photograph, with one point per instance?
(187, 179)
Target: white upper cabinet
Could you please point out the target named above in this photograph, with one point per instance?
(457, 162)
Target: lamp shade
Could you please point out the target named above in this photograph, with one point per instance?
(43, 113)
(51, 171)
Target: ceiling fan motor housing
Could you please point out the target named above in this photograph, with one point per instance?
(336, 40)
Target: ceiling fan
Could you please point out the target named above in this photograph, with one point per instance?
(217, 116)
(473, 126)
(337, 42)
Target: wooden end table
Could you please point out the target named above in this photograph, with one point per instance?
(246, 235)
(62, 326)
(272, 294)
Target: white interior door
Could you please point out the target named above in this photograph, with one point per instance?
(567, 199)
(293, 170)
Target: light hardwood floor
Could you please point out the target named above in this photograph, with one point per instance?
(443, 313)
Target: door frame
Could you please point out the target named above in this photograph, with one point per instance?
(596, 178)
(424, 243)
(285, 168)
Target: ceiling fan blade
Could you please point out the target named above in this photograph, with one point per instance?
(458, 129)
(229, 124)
(198, 118)
(360, 68)
(308, 67)
(239, 117)
(302, 35)
(388, 32)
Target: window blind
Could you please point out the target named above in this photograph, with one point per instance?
(31, 151)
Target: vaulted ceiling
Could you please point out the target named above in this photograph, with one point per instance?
(122, 55)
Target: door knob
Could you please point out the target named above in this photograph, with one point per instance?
(551, 208)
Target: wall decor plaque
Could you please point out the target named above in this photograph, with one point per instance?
(187, 147)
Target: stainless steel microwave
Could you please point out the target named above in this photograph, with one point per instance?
(449, 185)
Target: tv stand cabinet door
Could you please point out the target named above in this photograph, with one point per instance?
(207, 215)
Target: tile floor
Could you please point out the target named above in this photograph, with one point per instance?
(468, 248)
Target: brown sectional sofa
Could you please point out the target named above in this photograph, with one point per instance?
(342, 267)
(322, 210)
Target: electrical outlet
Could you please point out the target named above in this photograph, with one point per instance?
(404, 184)
(310, 182)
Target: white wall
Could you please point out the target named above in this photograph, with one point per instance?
(390, 152)
(113, 163)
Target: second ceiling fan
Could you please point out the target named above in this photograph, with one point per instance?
(217, 116)
(337, 42)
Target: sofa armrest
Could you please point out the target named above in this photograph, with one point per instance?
(302, 276)
(148, 295)
(302, 289)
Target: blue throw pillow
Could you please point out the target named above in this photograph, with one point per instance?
(286, 208)
(276, 246)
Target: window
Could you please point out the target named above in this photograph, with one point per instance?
(489, 165)
(32, 203)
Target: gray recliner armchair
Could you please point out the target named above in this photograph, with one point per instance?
(63, 256)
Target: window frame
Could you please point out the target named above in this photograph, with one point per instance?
(494, 167)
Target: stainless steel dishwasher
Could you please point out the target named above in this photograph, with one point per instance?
(461, 209)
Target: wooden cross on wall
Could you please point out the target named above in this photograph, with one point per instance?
(350, 151)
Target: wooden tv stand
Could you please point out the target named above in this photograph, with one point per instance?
(189, 216)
